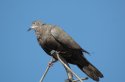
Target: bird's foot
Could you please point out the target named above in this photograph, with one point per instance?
(53, 52)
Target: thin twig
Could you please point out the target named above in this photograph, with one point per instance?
(47, 69)
(61, 60)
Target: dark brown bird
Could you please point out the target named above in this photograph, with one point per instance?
(54, 38)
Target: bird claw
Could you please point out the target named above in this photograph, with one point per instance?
(53, 52)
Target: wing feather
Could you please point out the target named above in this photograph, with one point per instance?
(64, 38)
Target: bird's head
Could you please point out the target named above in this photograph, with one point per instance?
(35, 25)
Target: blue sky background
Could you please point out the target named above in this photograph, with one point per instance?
(97, 25)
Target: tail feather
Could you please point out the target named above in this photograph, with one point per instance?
(91, 71)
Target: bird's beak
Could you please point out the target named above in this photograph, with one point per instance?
(29, 29)
(32, 28)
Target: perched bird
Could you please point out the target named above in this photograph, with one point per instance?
(52, 37)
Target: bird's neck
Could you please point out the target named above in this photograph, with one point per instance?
(40, 31)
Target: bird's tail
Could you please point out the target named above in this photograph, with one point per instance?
(90, 70)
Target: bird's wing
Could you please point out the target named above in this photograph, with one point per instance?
(62, 37)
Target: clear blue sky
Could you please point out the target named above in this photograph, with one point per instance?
(97, 25)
